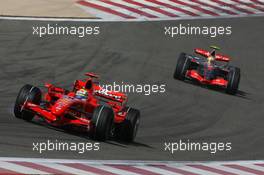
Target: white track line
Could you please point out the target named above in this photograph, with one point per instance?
(195, 170)
(190, 8)
(142, 9)
(128, 162)
(196, 8)
(20, 18)
(255, 167)
(66, 169)
(122, 167)
(122, 20)
(178, 13)
(206, 7)
(118, 9)
(241, 6)
(231, 170)
(157, 170)
(113, 170)
(20, 168)
(186, 8)
(224, 7)
(95, 11)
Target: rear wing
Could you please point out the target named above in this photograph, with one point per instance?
(218, 57)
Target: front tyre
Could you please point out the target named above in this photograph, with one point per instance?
(102, 120)
(233, 79)
(27, 93)
(182, 66)
(128, 129)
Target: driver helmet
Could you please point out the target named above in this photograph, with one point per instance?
(81, 94)
(210, 59)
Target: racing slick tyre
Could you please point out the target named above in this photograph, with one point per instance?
(102, 120)
(182, 66)
(27, 93)
(233, 79)
(127, 131)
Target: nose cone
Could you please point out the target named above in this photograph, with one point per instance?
(61, 106)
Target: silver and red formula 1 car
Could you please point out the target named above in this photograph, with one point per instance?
(208, 70)
(87, 107)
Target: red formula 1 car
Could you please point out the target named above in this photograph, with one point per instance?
(208, 70)
(87, 107)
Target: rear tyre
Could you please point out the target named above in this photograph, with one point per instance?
(102, 120)
(27, 93)
(182, 66)
(233, 79)
(127, 131)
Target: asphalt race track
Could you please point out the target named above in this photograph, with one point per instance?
(138, 53)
